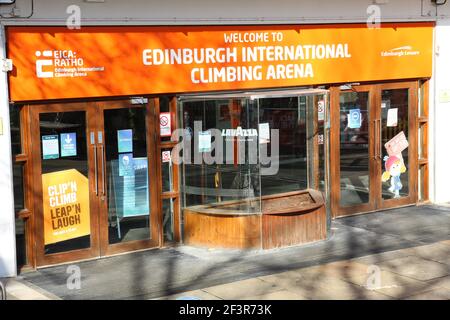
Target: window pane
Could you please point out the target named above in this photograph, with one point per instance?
(127, 174)
(66, 220)
(288, 115)
(354, 148)
(16, 142)
(19, 194)
(395, 167)
(222, 164)
(21, 248)
(168, 219)
(167, 170)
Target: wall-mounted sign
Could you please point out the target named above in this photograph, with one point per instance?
(65, 205)
(125, 140)
(444, 95)
(50, 147)
(57, 63)
(68, 144)
(165, 124)
(354, 119)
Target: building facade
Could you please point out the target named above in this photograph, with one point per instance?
(128, 127)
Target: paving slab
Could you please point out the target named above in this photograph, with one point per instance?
(416, 268)
(191, 295)
(242, 289)
(392, 284)
(374, 259)
(374, 238)
(436, 294)
(438, 252)
(277, 295)
(18, 290)
(340, 269)
(314, 285)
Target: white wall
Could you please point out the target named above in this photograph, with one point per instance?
(440, 145)
(7, 225)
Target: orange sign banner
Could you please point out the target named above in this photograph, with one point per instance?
(56, 63)
(66, 206)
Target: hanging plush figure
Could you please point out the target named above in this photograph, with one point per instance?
(394, 168)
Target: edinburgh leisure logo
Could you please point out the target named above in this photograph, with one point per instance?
(399, 52)
(62, 64)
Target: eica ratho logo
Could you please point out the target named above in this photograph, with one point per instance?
(61, 64)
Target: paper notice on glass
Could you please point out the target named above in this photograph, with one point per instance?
(50, 147)
(126, 166)
(125, 140)
(68, 144)
(354, 119)
(392, 117)
(397, 144)
(264, 133)
(321, 110)
(166, 156)
(204, 141)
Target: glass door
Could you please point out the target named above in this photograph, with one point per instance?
(65, 176)
(397, 148)
(375, 154)
(97, 195)
(127, 186)
(354, 152)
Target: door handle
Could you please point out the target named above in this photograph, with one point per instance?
(95, 170)
(375, 140)
(379, 139)
(103, 169)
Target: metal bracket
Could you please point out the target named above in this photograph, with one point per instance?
(6, 65)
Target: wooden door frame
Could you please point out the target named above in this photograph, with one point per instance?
(335, 142)
(412, 148)
(99, 238)
(376, 202)
(107, 249)
(93, 251)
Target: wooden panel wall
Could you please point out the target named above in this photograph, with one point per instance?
(222, 231)
(283, 230)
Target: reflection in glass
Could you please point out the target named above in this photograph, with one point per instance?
(244, 130)
(168, 219)
(288, 115)
(127, 174)
(167, 170)
(54, 125)
(237, 176)
(354, 148)
(397, 181)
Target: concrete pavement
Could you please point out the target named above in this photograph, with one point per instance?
(395, 254)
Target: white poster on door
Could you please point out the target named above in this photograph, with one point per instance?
(392, 117)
